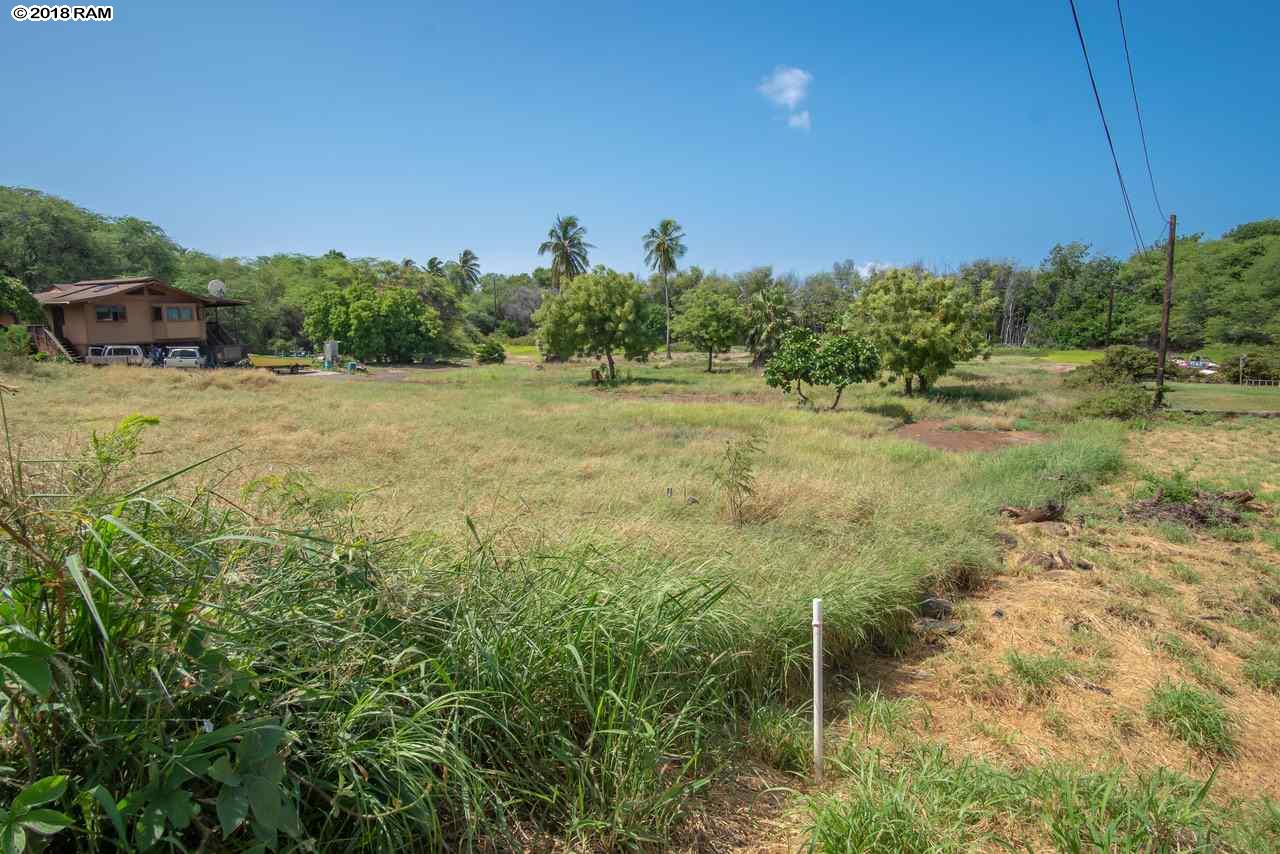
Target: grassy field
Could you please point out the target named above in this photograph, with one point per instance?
(530, 506)
(1070, 357)
(1222, 398)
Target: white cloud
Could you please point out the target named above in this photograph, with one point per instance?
(786, 86)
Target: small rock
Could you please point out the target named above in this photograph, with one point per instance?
(936, 609)
(1083, 564)
(691, 500)
(1006, 540)
(997, 614)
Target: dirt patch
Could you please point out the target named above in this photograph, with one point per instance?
(936, 435)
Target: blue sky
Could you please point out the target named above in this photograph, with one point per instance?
(904, 131)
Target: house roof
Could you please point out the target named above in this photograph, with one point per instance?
(88, 290)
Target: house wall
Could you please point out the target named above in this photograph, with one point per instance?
(82, 327)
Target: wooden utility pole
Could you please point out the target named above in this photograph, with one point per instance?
(1164, 315)
(1111, 310)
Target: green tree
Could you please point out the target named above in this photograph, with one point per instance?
(468, 269)
(567, 245)
(663, 247)
(597, 314)
(922, 324)
(15, 299)
(841, 360)
(709, 320)
(793, 362)
(392, 324)
(435, 266)
(768, 317)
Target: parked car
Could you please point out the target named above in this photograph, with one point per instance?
(117, 354)
(184, 357)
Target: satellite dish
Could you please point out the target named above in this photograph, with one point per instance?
(218, 288)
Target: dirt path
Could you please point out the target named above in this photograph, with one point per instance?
(936, 434)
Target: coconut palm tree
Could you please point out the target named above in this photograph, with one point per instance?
(567, 245)
(469, 268)
(768, 317)
(663, 246)
(435, 266)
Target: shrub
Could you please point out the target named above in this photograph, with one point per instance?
(838, 360)
(734, 474)
(16, 350)
(793, 362)
(490, 352)
(1191, 715)
(1121, 364)
(1121, 402)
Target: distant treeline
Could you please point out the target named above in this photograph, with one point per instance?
(1228, 290)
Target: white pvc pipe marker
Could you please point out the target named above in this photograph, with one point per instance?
(817, 690)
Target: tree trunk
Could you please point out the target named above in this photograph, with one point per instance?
(666, 293)
(709, 353)
(907, 384)
(608, 354)
(923, 383)
(836, 402)
(800, 392)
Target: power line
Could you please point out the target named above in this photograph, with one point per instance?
(1124, 192)
(1142, 131)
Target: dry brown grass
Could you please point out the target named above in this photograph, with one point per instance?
(974, 704)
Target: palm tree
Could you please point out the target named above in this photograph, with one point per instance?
(469, 268)
(567, 244)
(768, 317)
(435, 266)
(662, 247)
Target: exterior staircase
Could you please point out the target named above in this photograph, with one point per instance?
(47, 341)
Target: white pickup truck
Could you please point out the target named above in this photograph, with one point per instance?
(184, 357)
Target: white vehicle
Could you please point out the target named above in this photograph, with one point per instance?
(184, 357)
(118, 354)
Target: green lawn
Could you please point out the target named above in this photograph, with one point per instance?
(1072, 357)
(1222, 398)
(530, 350)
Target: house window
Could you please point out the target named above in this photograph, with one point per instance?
(110, 313)
(177, 313)
(156, 313)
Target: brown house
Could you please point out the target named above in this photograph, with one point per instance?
(140, 311)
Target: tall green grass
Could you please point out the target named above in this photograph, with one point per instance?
(233, 671)
(923, 800)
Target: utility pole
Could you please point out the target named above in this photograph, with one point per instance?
(1164, 315)
(1111, 310)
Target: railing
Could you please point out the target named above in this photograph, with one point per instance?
(1252, 382)
(47, 342)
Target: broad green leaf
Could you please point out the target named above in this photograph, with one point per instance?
(30, 670)
(258, 744)
(222, 771)
(42, 791)
(45, 821)
(13, 839)
(177, 807)
(233, 808)
(264, 797)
